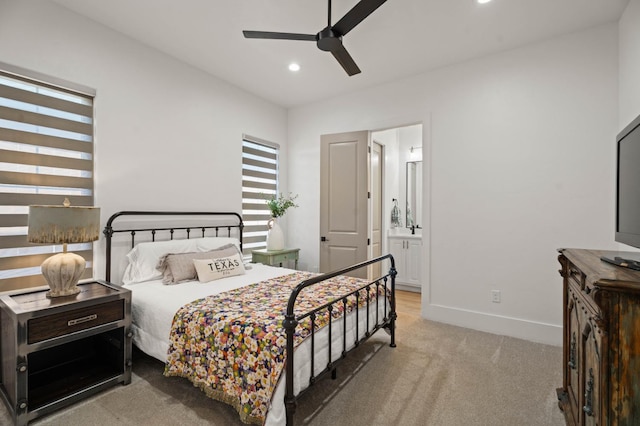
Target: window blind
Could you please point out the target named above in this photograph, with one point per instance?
(46, 154)
(259, 184)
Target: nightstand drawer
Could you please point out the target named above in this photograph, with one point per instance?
(275, 257)
(47, 327)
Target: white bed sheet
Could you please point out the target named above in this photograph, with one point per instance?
(154, 305)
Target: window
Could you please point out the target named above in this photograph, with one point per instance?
(46, 154)
(259, 183)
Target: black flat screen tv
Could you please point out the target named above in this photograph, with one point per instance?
(628, 194)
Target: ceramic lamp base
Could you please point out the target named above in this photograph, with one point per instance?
(62, 272)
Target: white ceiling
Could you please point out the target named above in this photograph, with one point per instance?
(400, 39)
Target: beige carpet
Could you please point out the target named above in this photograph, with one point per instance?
(438, 375)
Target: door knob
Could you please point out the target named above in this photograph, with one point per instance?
(324, 239)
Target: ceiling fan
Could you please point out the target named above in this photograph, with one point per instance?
(330, 38)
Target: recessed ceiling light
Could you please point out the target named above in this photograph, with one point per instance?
(294, 67)
(483, 1)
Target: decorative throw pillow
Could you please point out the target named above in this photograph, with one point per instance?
(143, 258)
(220, 267)
(179, 267)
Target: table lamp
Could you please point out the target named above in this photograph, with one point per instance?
(63, 225)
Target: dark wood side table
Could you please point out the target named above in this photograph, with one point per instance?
(58, 351)
(275, 257)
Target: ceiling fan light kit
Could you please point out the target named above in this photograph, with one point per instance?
(329, 39)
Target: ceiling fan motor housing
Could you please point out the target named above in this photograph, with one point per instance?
(328, 40)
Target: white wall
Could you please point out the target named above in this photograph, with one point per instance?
(519, 161)
(167, 135)
(629, 64)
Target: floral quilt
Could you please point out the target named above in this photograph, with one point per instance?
(233, 346)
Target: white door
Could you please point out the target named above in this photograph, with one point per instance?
(343, 201)
(376, 167)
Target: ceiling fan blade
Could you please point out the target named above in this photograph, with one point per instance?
(279, 36)
(347, 62)
(356, 15)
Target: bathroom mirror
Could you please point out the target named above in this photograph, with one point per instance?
(414, 194)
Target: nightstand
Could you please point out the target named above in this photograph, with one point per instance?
(275, 257)
(58, 351)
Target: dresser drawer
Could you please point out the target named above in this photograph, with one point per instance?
(50, 326)
(577, 276)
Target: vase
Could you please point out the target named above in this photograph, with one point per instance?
(275, 236)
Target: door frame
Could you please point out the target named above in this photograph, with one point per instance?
(382, 170)
(425, 121)
(425, 255)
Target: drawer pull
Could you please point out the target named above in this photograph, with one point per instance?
(81, 320)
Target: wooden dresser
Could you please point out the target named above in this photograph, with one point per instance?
(601, 348)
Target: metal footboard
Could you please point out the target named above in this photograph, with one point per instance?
(387, 282)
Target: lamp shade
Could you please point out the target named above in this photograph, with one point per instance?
(63, 224)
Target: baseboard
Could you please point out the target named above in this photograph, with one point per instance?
(549, 334)
(408, 287)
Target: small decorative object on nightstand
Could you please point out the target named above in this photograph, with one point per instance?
(57, 351)
(278, 206)
(275, 257)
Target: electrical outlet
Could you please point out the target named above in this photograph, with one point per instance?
(495, 296)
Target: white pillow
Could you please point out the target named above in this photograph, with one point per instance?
(144, 257)
(213, 269)
(212, 243)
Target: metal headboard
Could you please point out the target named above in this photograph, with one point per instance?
(216, 220)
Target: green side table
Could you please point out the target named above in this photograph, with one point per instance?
(275, 257)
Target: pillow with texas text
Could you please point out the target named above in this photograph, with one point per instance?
(221, 267)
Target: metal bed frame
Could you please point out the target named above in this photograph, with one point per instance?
(231, 225)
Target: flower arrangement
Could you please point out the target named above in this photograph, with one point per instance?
(279, 205)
